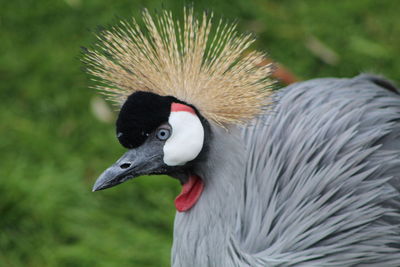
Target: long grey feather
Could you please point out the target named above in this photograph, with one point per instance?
(315, 182)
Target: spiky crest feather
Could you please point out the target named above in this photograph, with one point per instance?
(195, 61)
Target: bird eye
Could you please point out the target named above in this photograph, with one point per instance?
(163, 134)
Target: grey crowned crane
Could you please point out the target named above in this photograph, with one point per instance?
(305, 176)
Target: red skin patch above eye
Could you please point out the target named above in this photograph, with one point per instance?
(181, 107)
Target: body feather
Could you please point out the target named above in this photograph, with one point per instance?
(313, 183)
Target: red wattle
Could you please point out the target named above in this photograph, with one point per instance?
(191, 192)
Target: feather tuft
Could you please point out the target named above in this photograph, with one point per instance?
(199, 61)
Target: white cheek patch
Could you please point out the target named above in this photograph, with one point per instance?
(186, 140)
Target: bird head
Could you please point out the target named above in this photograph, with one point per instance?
(163, 135)
(171, 81)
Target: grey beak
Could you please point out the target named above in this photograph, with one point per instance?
(136, 162)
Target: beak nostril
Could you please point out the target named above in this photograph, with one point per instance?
(125, 165)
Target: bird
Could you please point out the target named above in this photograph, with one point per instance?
(307, 175)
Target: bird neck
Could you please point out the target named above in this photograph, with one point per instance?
(202, 234)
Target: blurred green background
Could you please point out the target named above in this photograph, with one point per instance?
(57, 136)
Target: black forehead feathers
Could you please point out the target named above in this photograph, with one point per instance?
(140, 115)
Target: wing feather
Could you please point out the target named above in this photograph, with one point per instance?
(323, 176)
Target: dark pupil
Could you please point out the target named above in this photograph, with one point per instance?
(163, 134)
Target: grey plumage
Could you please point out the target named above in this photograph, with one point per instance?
(313, 182)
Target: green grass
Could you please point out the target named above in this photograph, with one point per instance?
(53, 147)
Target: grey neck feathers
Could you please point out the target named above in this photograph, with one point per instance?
(202, 235)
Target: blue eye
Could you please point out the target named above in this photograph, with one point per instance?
(163, 134)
